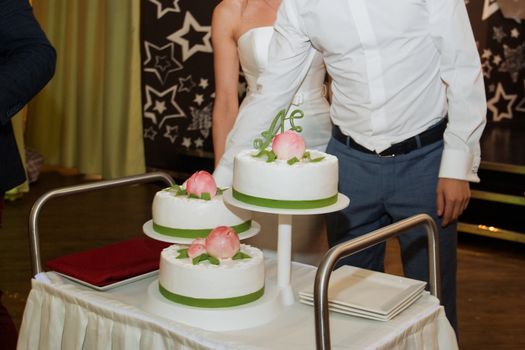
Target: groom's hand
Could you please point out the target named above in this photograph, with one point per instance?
(453, 196)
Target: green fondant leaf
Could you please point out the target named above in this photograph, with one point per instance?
(182, 192)
(173, 188)
(240, 255)
(220, 191)
(183, 253)
(206, 196)
(308, 157)
(213, 260)
(191, 195)
(198, 259)
(293, 160)
(271, 156)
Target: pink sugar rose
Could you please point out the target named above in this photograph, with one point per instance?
(201, 182)
(196, 249)
(222, 242)
(287, 145)
(199, 240)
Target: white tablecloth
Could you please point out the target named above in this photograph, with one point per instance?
(61, 314)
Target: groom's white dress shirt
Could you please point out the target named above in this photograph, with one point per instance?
(397, 68)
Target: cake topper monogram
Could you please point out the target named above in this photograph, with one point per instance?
(288, 144)
(277, 126)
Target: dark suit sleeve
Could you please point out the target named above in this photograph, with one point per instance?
(27, 59)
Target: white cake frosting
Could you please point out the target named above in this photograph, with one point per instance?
(305, 184)
(181, 216)
(232, 282)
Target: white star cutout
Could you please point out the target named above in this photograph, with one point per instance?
(199, 142)
(521, 106)
(496, 60)
(172, 136)
(489, 8)
(487, 69)
(186, 142)
(514, 33)
(498, 33)
(486, 53)
(150, 133)
(199, 99)
(492, 104)
(178, 37)
(162, 9)
(160, 106)
(186, 84)
(174, 109)
(203, 83)
(161, 60)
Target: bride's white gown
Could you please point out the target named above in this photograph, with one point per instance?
(309, 237)
(253, 48)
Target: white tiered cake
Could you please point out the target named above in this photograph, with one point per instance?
(191, 211)
(277, 184)
(285, 175)
(229, 283)
(185, 217)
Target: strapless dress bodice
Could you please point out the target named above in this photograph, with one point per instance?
(253, 47)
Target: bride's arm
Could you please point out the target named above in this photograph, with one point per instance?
(226, 68)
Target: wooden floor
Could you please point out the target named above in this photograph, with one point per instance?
(491, 282)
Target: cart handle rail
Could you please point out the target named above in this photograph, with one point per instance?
(322, 277)
(34, 240)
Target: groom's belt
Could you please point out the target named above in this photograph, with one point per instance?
(427, 137)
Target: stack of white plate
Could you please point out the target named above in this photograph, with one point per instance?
(369, 294)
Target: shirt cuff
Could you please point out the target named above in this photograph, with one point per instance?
(458, 165)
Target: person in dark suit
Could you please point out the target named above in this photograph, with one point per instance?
(27, 63)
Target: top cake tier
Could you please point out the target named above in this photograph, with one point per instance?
(304, 184)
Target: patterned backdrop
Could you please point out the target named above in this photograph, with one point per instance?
(177, 76)
(177, 83)
(501, 43)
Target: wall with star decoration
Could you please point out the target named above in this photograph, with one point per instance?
(501, 44)
(177, 84)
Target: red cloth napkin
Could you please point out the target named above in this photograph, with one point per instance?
(111, 263)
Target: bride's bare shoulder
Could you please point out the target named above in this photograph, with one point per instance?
(229, 8)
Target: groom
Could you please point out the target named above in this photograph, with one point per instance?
(408, 108)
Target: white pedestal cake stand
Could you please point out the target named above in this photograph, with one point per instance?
(284, 236)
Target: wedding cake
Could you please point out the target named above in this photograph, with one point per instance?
(194, 209)
(215, 272)
(287, 175)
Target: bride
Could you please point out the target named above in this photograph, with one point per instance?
(241, 33)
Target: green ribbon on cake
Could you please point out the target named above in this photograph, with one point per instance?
(284, 204)
(211, 303)
(189, 233)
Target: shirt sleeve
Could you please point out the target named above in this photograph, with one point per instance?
(290, 57)
(27, 59)
(460, 70)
